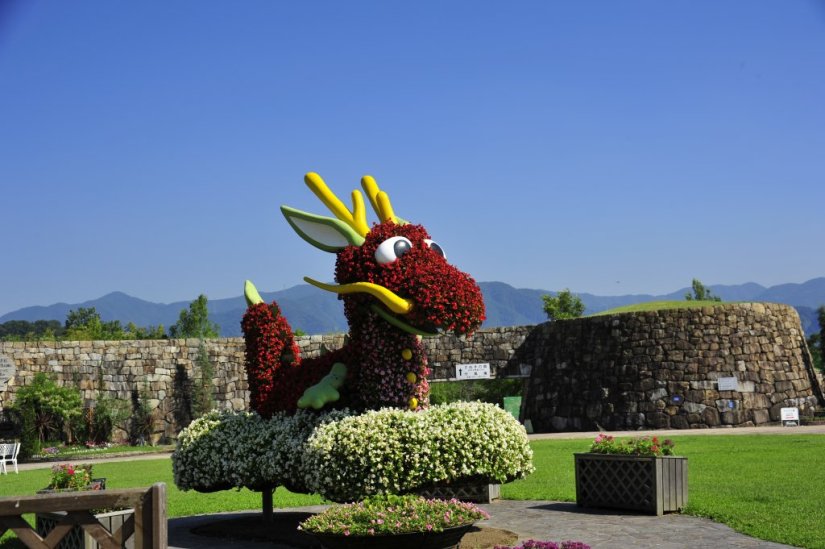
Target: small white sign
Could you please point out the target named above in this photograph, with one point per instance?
(472, 371)
(728, 384)
(7, 370)
(789, 414)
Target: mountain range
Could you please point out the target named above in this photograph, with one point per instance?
(316, 312)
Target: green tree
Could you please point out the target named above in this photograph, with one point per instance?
(195, 322)
(85, 324)
(701, 292)
(816, 342)
(149, 332)
(565, 304)
(820, 316)
(815, 346)
(203, 401)
(23, 330)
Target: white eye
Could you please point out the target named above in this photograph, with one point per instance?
(435, 247)
(391, 249)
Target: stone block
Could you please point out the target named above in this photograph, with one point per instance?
(761, 416)
(679, 422)
(659, 420)
(732, 417)
(710, 417)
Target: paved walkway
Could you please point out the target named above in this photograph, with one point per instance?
(541, 520)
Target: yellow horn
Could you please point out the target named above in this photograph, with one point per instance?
(394, 302)
(357, 219)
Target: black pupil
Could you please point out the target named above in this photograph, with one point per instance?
(401, 247)
(437, 249)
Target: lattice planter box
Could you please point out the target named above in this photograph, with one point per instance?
(655, 485)
(473, 492)
(77, 538)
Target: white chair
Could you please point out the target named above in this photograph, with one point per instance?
(8, 454)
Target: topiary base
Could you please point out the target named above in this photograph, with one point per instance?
(477, 492)
(448, 539)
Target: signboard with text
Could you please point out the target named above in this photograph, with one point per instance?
(472, 371)
(728, 384)
(7, 370)
(789, 416)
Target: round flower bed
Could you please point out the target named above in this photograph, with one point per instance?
(396, 521)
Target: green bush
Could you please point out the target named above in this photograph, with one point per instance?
(97, 423)
(47, 409)
(483, 390)
(202, 398)
(30, 444)
(141, 422)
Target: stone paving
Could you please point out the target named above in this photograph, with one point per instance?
(541, 520)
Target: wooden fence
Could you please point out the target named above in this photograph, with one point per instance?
(148, 525)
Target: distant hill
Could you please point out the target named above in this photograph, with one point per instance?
(316, 311)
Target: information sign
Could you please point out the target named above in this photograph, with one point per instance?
(789, 416)
(728, 384)
(472, 371)
(7, 370)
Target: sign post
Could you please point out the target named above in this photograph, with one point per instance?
(472, 371)
(790, 417)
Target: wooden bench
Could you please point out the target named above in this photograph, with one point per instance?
(148, 525)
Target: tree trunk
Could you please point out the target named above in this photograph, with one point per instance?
(266, 503)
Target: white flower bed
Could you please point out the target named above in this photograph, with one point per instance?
(397, 451)
(229, 449)
(346, 458)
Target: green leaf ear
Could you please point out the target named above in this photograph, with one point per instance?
(325, 233)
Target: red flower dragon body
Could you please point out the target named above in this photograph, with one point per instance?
(397, 286)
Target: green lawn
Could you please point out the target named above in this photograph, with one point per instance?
(660, 305)
(770, 487)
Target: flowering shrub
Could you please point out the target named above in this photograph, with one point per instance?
(640, 446)
(397, 451)
(384, 515)
(70, 477)
(346, 458)
(534, 544)
(228, 449)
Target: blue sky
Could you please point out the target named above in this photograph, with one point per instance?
(606, 147)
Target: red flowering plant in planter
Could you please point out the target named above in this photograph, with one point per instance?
(68, 477)
(397, 286)
(638, 446)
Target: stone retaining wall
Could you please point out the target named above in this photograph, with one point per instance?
(159, 369)
(654, 369)
(661, 369)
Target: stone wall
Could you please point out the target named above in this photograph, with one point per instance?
(654, 369)
(661, 369)
(161, 369)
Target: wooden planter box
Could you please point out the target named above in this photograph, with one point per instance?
(655, 485)
(78, 538)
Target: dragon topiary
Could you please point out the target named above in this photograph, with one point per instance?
(397, 286)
